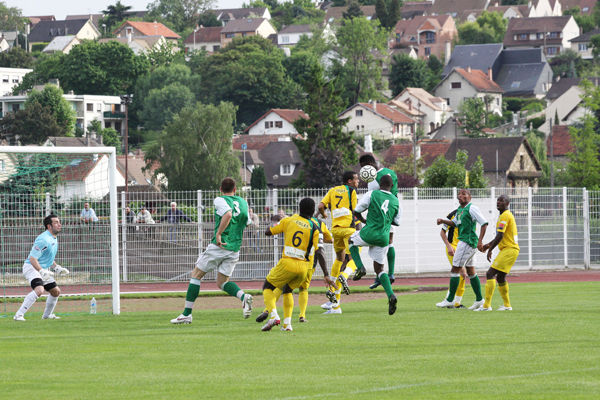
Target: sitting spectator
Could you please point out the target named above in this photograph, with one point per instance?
(175, 215)
(144, 216)
(129, 215)
(88, 214)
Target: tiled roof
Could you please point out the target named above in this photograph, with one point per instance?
(424, 97)
(59, 43)
(476, 56)
(337, 13)
(150, 29)
(388, 112)
(456, 6)
(561, 141)
(295, 29)
(430, 150)
(287, 114)
(237, 13)
(588, 5)
(412, 9)
(45, 31)
(479, 80)
(79, 168)
(411, 26)
(135, 166)
(535, 25)
(243, 25)
(210, 34)
(256, 142)
(586, 37)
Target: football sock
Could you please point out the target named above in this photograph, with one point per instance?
(191, 295)
(232, 289)
(454, 280)
(490, 286)
(277, 293)
(391, 259)
(50, 304)
(335, 268)
(460, 290)
(338, 293)
(270, 300)
(503, 289)
(28, 302)
(385, 282)
(303, 301)
(350, 268)
(356, 256)
(476, 286)
(288, 305)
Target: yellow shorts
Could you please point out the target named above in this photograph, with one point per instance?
(306, 284)
(288, 271)
(505, 259)
(340, 238)
(450, 258)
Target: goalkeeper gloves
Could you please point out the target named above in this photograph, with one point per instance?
(58, 270)
(46, 274)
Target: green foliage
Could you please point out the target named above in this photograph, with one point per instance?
(516, 104)
(208, 18)
(328, 148)
(538, 145)
(197, 140)
(353, 11)
(179, 14)
(489, 27)
(52, 97)
(258, 180)
(11, 18)
(299, 64)
(406, 166)
(113, 15)
(388, 12)
(16, 58)
(46, 67)
(110, 137)
(568, 64)
(595, 42)
(165, 54)
(476, 177)
(407, 72)
(161, 105)
(38, 47)
(360, 74)
(294, 12)
(535, 123)
(472, 115)
(444, 173)
(33, 125)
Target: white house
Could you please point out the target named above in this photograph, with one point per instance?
(85, 177)
(553, 34)
(544, 8)
(290, 35)
(61, 44)
(379, 120)
(11, 77)
(435, 111)
(276, 121)
(204, 38)
(582, 44)
(461, 84)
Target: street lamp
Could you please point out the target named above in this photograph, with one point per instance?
(104, 26)
(126, 99)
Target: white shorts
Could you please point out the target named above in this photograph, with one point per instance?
(217, 258)
(31, 273)
(377, 254)
(463, 255)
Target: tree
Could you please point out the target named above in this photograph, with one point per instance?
(472, 115)
(476, 177)
(567, 64)
(164, 54)
(196, 141)
(388, 12)
(407, 72)
(299, 65)
(11, 18)
(161, 105)
(180, 14)
(258, 180)
(595, 42)
(52, 98)
(16, 58)
(47, 67)
(444, 173)
(110, 137)
(114, 14)
(360, 72)
(327, 148)
(353, 11)
(208, 18)
(490, 27)
(32, 125)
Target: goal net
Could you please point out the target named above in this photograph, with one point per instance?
(36, 181)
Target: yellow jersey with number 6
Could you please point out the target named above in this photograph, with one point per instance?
(300, 237)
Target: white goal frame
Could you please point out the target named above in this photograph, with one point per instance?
(112, 170)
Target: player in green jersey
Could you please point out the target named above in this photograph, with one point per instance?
(383, 211)
(231, 218)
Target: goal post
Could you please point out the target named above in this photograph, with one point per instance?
(35, 180)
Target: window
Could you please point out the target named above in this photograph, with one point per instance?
(89, 107)
(358, 113)
(522, 162)
(447, 101)
(216, 47)
(229, 35)
(285, 39)
(497, 101)
(118, 126)
(554, 35)
(15, 79)
(2, 165)
(129, 31)
(99, 107)
(522, 36)
(427, 51)
(551, 50)
(286, 169)
(515, 84)
(585, 9)
(455, 85)
(278, 124)
(15, 107)
(107, 124)
(358, 127)
(583, 46)
(268, 124)
(429, 37)
(5, 78)
(244, 34)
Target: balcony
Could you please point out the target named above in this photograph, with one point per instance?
(114, 115)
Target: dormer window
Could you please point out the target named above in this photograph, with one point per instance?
(286, 169)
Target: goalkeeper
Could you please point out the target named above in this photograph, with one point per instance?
(39, 269)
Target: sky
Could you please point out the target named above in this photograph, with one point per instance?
(61, 8)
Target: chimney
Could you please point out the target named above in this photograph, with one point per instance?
(375, 105)
(469, 69)
(490, 74)
(368, 143)
(448, 53)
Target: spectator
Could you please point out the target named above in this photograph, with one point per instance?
(174, 216)
(253, 230)
(129, 216)
(88, 214)
(144, 217)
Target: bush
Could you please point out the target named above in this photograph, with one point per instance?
(38, 47)
(535, 123)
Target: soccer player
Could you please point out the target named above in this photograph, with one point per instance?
(319, 257)
(507, 242)
(449, 235)
(468, 216)
(39, 269)
(383, 211)
(301, 238)
(368, 159)
(231, 218)
(341, 201)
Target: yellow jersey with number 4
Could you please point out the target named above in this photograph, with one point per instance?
(507, 225)
(341, 200)
(300, 237)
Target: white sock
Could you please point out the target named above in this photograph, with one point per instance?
(348, 271)
(287, 321)
(274, 314)
(50, 304)
(27, 303)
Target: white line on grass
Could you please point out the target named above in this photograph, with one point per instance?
(434, 383)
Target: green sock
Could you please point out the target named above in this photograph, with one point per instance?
(454, 280)
(191, 295)
(356, 256)
(476, 286)
(391, 259)
(385, 282)
(231, 288)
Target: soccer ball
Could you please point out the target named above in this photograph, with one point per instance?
(368, 173)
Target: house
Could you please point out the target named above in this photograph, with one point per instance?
(280, 159)
(85, 177)
(456, 8)
(544, 8)
(379, 120)
(95, 20)
(4, 45)
(139, 44)
(519, 72)
(61, 44)
(68, 141)
(507, 161)
(582, 44)
(414, 9)
(427, 150)
(246, 27)
(559, 144)
(137, 172)
(510, 12)
(428, 35)
(277, 121)
(290, 35)
(552, 34)
(335, 15)
(44, 31)
(225, 15)
(11, 77)
(8, 164)
(10, 37)
(204, 38)
(585, 6)
(434, 110)
(462, 83)
(138, 28)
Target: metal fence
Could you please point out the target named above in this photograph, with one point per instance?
(558, 228)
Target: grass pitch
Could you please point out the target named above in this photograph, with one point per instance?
(547, 348)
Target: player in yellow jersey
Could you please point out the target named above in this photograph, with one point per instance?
(449, 235)
(319, 257)
(507, 241)
(341, 201)
(300, 239)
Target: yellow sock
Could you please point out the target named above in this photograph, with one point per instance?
(277, 293)
(350, 269)
(460, 290)
(303, 301)
(490, 286)
(269, 299)
(503, 289)
(288, 305)
(335, 268)
(338, 293)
